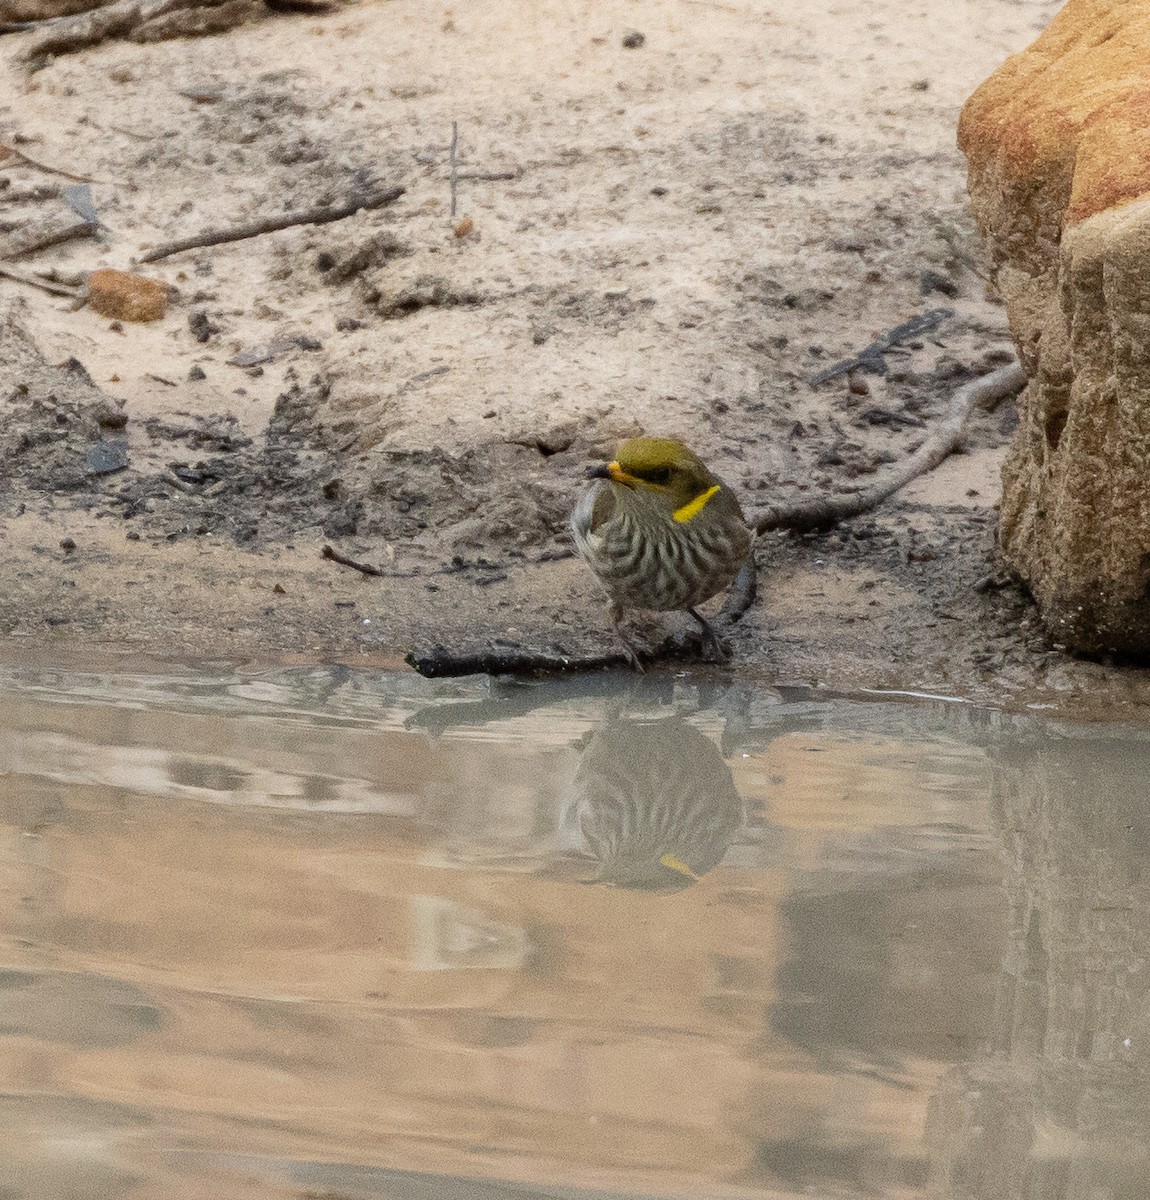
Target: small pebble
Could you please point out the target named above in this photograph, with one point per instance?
(633, 39)
(858, 384)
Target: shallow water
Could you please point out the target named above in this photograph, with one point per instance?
(326, 935)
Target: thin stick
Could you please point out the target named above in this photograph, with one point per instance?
(47, 285)
(72, 279)
(321, 215)
(454, 160)
(488, 176)
(808, 515)
(43, 166)
(335, 557)
(43, 234)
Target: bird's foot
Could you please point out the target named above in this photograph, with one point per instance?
(715, 649)
(634, 651)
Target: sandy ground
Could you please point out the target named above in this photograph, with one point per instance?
(679, 234)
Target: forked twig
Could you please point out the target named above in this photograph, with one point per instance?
(805, 516)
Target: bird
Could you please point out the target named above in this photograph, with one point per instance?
(661, 532)
(653, 803)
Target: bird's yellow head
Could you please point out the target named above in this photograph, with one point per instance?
(665, 470)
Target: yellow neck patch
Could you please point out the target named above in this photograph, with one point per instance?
(696, 506)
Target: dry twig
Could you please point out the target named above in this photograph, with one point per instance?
(7, 148)
(32, 195)
(44, 284)
(805, 516)
(39, 235)
(454, 160)
(174, 481)
(322, 214)
(24, 26)
(365, 568)
(488, 176)
(142, 20)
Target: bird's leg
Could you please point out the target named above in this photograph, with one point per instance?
(714, 648)
(632, 650)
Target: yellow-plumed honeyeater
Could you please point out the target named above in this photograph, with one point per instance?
(661, 532)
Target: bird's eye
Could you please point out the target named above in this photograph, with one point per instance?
(659, 475)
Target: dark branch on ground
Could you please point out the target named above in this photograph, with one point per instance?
(322, 214)
(140, 20)
(335, 557)
(441, 663)
(453, 162)
(870, 358)
(28, 160)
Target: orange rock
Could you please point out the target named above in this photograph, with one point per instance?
(1058, 146)
(1071, 111)
(127, 297)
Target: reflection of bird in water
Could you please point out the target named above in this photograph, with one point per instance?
(654, 803)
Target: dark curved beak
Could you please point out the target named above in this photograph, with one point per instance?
(602, 471)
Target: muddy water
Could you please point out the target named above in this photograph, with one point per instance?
(327, 935)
